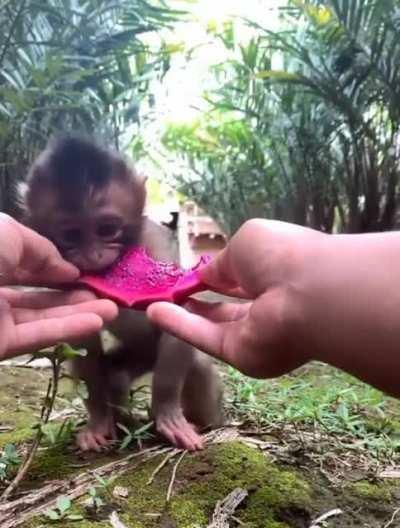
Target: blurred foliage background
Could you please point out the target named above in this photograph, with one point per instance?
(304, 123)
(72, 65)
(299, 122)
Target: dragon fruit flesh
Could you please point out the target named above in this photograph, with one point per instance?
(136, 280)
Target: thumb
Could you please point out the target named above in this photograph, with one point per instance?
(40, 258)
(194, 329)
(218, 273)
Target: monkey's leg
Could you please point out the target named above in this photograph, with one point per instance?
(100, 428)
(174, 362)
(122, 372)
(203, 393)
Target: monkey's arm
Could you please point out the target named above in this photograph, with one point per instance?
(159, 242)
(175, 359)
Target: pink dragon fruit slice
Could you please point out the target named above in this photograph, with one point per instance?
(137, 280)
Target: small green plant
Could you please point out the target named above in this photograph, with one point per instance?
(105, 483)
(9, 459)
(62, 511)
(55, 433)
(99, 496)
(142, 433)
(95, 500)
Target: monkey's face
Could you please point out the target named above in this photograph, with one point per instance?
(92, 242)
(93, 230)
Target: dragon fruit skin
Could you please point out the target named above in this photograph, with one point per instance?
(136, 280)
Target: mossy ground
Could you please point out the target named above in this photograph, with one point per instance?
(279, 497)
(284, 491)
(20, 392)
(202, 480)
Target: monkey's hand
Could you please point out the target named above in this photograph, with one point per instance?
(97, 435)
(171, 423)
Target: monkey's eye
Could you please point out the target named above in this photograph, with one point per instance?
(71, 236)
(107, 230)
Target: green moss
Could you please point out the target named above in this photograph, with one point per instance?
(20, 434)
(203, 479)
(370, 492)
(41, 520)
(236, 465)
(387, 425)
(18, 404)
(51, 463)
(21, 396)
(144, 498)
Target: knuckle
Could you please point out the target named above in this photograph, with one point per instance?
(6, 219)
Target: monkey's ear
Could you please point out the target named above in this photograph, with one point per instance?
(142, 178)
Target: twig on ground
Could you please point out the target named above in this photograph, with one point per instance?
(238, 521)
(173, 475)
(115, 521)
(394, 515)
(226, 508)
(163, 462)
(324, 516)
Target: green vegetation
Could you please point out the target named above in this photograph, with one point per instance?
(209, 477)
(315, 422)
(235, 465)
(62, 511)
(372, 492)
(9, 459)
(350, 414)
(299, 123)
(302, 124)
(81, 66)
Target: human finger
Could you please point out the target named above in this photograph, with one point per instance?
(45, 298)
(218, 273)
(106, 309)
(35, 335)
(217, 312)
(199, 331)
(40, 260)
(237, 292)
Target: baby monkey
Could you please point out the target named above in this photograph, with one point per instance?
(89, 202)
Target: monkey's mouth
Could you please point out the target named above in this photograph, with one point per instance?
(95, 262)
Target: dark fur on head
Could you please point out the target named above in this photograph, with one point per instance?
(76, 160)
(74, 165)
(86, 198)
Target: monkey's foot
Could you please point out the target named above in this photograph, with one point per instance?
(179, 431)
(96, 438)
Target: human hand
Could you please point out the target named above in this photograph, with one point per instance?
(30, 321)
(262, 263)
(33, 320)
(332, 298)
(28, 258)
